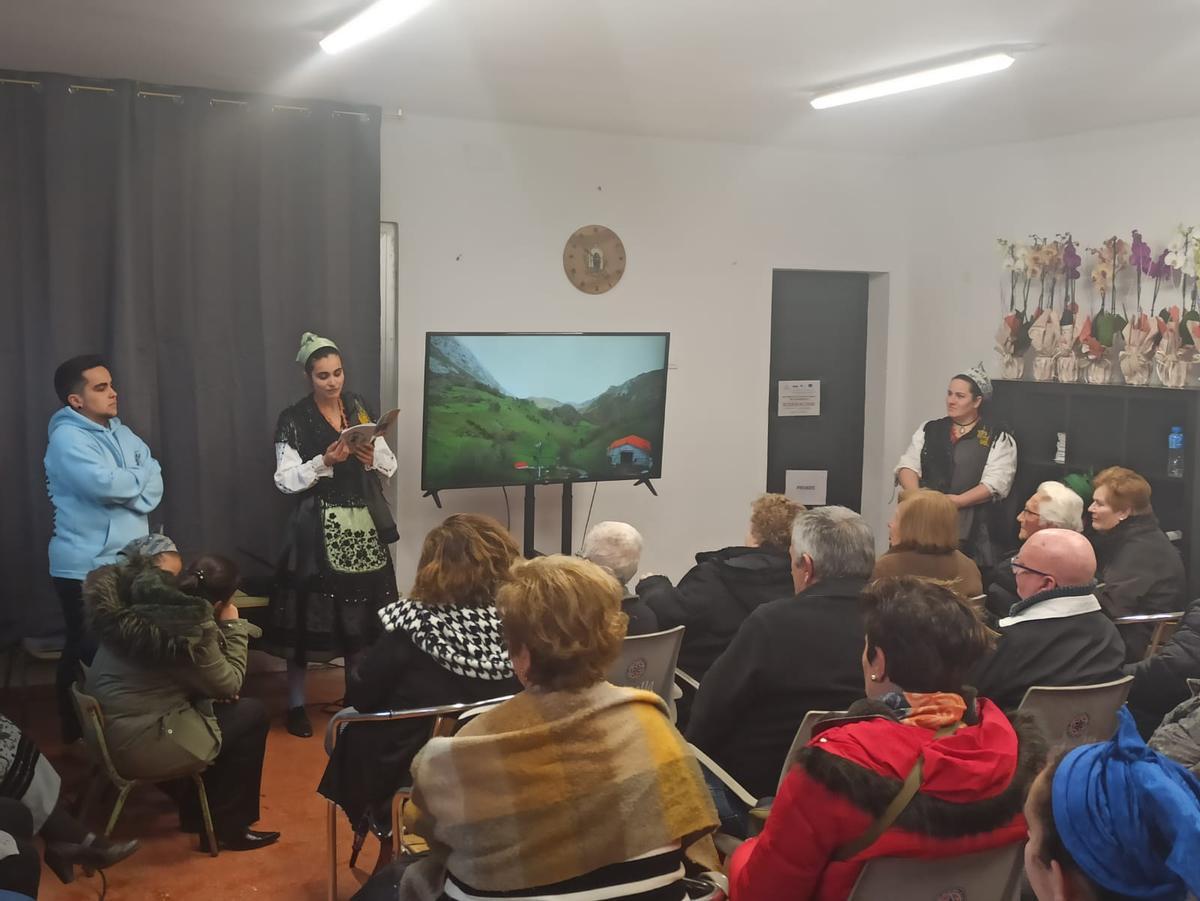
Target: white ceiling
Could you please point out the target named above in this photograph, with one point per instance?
(698, 69)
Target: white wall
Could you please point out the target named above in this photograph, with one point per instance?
(484, 211)
(1093, 185)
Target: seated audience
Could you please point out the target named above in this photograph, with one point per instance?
(924, 538)
(167, 675)
(792, 655)
(1052, 506)
(828, 819)
(616, 547)
(1056, 634)
(575, 787)
(725, 586)
(1178, 736)
(1160, 682)
(442, 645)
(1140, 569)
(30, 804)
(1114, 821)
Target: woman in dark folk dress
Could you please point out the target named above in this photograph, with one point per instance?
(967, 456)
(337, 572)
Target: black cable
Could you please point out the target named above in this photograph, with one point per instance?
(587, 522)
(507, 512)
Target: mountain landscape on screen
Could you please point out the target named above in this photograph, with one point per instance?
(512, 409)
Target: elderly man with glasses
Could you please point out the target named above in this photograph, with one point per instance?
(1052, 506)
(1056, 634)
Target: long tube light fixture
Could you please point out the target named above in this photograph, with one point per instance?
(373, 21)
(923, 78)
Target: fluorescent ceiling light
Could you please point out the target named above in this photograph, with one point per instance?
(371, 22)
(980, 65)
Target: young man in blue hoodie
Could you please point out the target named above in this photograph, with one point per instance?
(103, 482)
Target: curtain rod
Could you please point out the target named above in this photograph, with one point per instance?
(179, 98)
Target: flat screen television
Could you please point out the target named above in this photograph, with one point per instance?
(531, 408)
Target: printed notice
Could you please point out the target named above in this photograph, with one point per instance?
(800, 398)
(806, 486)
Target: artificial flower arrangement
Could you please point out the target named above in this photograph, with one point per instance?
(1045, 333)
(1141, 333)
(1163, 341)
(1178, 324)
(1072, 362)
(1012, 339)
(1100, 330)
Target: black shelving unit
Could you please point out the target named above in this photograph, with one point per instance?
(1107, 425)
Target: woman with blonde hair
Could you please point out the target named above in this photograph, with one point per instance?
(442, 645)
(573, 787)
(1140, 570)
(924, 538)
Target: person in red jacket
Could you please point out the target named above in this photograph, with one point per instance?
(975, 766)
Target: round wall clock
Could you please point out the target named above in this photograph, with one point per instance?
(594, 259)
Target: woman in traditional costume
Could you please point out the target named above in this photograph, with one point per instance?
(336, 572)
(967, 456)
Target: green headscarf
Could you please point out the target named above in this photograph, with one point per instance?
(310, 343)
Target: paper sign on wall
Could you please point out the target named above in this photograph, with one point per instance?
(806, 486)
(800, 398)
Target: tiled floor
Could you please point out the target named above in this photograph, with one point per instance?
(168, 867)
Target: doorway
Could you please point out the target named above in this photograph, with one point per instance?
(819, 333)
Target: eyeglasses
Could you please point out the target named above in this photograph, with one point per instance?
(1017, 564)
(1027, 512)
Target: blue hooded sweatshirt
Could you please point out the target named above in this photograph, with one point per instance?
(102, 482)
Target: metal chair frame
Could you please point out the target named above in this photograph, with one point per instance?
(1165, 625)
(442, 716)
(91, 719)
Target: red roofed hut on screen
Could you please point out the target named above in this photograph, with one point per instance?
(630, 451)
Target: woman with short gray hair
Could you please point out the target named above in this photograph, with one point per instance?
(616, 547)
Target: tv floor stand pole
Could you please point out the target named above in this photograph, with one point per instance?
(529, 514)
(566, 518)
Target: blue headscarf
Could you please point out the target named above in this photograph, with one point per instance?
(1130, 817)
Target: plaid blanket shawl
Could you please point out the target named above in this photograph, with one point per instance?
(553, 785)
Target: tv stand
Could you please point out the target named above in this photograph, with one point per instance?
(645, 480)
(530, 514)
(433, 494)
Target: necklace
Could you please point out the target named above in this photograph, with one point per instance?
(961, 430)
(339, 425)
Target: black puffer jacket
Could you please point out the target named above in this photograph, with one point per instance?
(1160, 683)
(715, 597)
(1141, 572)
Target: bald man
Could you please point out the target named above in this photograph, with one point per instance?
(1056, 634)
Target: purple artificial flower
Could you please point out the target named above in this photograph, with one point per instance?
(1071, 259)
(1139, 253)
(1159, 268)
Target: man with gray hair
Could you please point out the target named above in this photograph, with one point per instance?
(790, 656)
(616, 547)
(1053, 506)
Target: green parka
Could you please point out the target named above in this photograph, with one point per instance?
(163, 658)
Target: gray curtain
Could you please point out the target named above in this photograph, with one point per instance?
(190, 238)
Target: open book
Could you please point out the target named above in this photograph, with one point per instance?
(361, 435)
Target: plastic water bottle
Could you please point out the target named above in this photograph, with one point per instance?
(1175, 452)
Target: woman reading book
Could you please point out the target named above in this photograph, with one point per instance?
(336, 571)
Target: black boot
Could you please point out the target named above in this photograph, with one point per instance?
(297, 723)
(93, 853)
